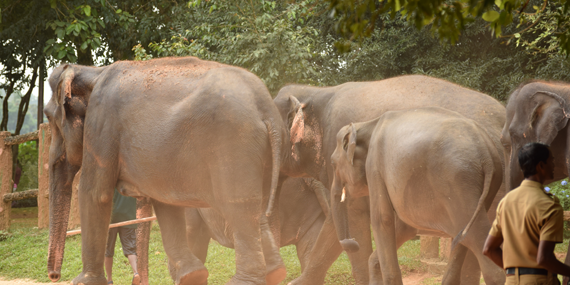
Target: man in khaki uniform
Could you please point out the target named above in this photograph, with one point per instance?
(529, 223)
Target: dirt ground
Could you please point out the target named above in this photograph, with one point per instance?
(26, 282)
(411, 279)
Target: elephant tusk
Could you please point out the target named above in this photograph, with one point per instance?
(343, 196)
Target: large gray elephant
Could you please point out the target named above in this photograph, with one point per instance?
(315, 115)
(303, 205)
(431, 169)
(181, 131)
(538, 111)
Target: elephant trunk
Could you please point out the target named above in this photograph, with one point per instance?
(60, 184)
(514, 175)
(340, 217)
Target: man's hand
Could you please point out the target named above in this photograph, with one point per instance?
(547, 259)
(492, 249)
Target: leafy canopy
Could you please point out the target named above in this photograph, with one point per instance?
(358, 18)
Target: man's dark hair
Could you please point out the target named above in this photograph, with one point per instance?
(530, 155)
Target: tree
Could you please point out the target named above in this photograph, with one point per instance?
(272, 39)
(447, 19)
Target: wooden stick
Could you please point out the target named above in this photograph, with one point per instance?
(21, 138)
(33, 193)
(125, 223)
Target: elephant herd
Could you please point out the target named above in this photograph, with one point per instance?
(220, 159)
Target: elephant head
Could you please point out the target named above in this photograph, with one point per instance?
(305, 133)
(534, 114)
(71, 87)
(349, 163)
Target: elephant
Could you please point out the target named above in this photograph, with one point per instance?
(314, 115)
(301, 220)
(537, 111)
(429, 168)
(182, 132)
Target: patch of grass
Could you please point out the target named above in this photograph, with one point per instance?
(23, 254)
(432, 281)
(409, 257)
(24, 218)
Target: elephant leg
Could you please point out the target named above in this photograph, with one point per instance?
(185, 268)
(95, 198)
(197, 234)
(565, 279)
(144, 210)
(453, 269)
(359, 226)
(306, 243)
(244, 218)
(326, 250)
(275, 268)
(404, 232)
(470, 271)
(474, 241)
(383, 225)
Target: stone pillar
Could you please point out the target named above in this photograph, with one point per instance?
(144, 210)
(445, 248)
(429, 247)
(6, 182)
(74, 218)
(43, 175)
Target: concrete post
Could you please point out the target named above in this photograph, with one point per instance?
(43, 175)
(445, 248)
(429, 247)
(6, 182)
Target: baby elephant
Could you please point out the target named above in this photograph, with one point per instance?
(430, 169)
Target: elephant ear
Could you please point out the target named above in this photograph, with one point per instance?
(549, 116)
(350, 143)
(298, 124)
(64, 91)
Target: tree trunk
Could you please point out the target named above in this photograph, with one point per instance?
(84, 56)
(9, 91)
(25, 102)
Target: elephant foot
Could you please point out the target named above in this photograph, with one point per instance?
(301, 280)
(276, 276)
(246, 281)
(198, 277)
(89, 279)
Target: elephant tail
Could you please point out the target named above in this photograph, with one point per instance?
(275, 141)
(481, 206)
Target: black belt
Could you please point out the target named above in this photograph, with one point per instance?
(526, 271)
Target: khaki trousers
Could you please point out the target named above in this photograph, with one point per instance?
(529, 279)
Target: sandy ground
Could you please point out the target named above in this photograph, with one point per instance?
(411, 279)
(26, 282)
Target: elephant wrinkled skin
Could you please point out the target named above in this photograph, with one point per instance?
(537, 111)
(183, 132)
(301, 220)
(431, 169)
(314, 115)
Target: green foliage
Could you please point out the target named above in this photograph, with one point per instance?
(561, 190)
(358, 18)
(272, 39)
(28, 159)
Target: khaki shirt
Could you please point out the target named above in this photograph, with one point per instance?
(525, 216)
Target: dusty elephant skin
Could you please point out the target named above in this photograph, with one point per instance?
(537, 111)
(314, 117)
(181, 131)
(430, 169)
(301, 221)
